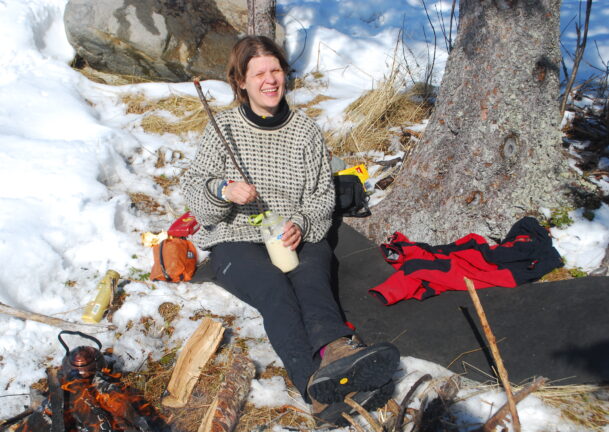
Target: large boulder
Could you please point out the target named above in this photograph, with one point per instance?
(171, 40)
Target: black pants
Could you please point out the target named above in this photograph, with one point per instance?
(298, 308)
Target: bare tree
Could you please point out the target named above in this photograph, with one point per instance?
(491, 152)
(261, 18)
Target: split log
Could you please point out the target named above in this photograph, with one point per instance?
(223, 413)
(193, 357)
(55, 322)
(490, 337)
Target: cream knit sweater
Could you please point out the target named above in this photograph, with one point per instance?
(288, 164)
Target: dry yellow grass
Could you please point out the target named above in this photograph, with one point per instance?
(578, 404)
(146, 203)
(561, 273)
(310, 109)
(167, 183)
(177, 115)
(153, 382)
(253, 418)
(111, 78)
(373, 114)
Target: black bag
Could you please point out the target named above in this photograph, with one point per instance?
(351, 198)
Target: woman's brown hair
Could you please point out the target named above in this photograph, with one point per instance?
(241, 54)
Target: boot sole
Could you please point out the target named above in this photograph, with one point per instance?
(366, 370)
(370, 401)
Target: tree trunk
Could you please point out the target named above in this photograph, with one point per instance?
(261, 18)
(492, 150)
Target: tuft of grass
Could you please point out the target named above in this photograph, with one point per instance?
(169, 311)
(310, 109)
(146, 203)
(579, 404)
(112, 78)
(138, 274)
(260, 419)
(561, 273)
(167, 183)
(178, 115)
(373, 115)
(577, 272)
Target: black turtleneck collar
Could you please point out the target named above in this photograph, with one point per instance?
(282, 114)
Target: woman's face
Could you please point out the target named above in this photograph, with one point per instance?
(264, 84)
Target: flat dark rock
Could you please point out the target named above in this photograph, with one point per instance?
(559, 330)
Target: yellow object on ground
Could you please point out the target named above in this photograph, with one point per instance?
(149, 239)
(105, 293)
(359, 170)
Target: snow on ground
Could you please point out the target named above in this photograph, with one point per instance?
(70, 156)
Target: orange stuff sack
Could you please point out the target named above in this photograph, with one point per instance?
(175, 260)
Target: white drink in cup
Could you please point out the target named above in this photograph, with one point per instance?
(282, 257)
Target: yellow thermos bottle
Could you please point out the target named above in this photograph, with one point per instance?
(105, 292)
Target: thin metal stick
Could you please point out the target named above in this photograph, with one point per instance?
(224, 142)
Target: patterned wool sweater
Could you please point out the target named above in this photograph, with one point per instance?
(288, 164)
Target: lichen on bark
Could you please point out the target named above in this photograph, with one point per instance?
(492, 150)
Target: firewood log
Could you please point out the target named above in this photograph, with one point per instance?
(193, 357)
(223, 413)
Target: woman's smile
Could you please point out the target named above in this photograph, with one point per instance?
(264, 84)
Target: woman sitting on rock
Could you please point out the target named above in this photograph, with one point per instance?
(284, 156)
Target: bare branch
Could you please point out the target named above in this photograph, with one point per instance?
(579, 53)
(56, 322)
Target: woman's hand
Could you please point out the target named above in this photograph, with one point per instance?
(240, 192)
(291, 235)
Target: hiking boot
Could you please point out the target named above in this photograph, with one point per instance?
(350, 366)
(331, 414)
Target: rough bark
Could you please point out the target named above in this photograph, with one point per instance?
(261, 18)
(223, 413)
(492, 149)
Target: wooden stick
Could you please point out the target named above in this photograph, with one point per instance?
(56, 322)
(352, 422)
(195, 354)
(376, 427)
(492, 423)
(406, 401)
(223, 414)
(490, 337)
(4, 424)
(224, 142)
